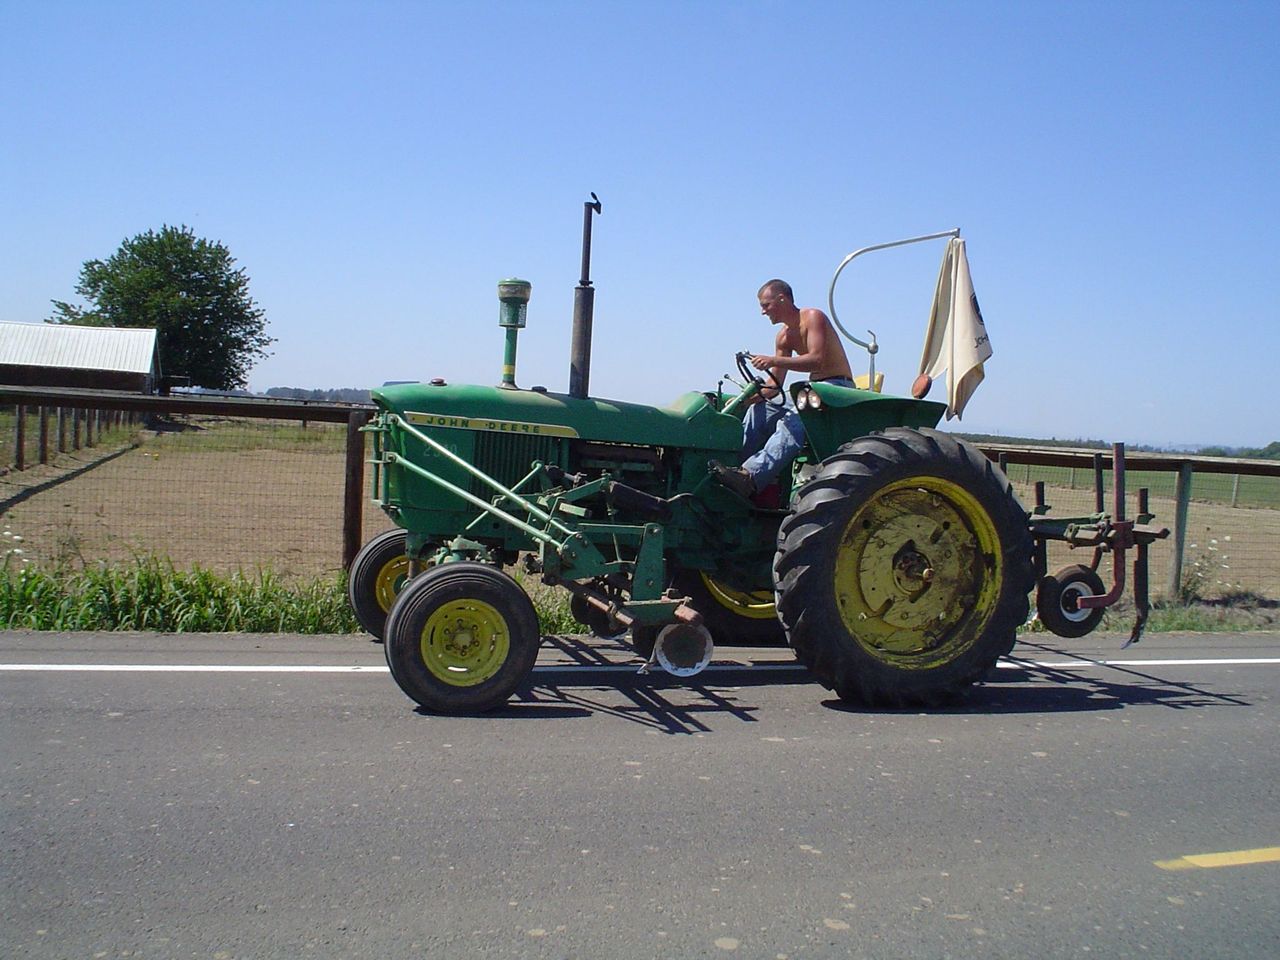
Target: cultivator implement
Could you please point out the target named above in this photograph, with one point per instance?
(1071, 600)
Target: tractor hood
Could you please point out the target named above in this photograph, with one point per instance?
(690, 421)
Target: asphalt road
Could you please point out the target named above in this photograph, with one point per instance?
(152, 809)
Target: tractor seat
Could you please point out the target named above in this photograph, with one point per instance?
(862, 380)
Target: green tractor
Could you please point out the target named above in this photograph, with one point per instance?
(894, 559)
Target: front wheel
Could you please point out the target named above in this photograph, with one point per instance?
(377, 575)
(903, 570)
(461, 638)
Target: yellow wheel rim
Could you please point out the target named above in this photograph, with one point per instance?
(917, 573)
(753, 604)
(465, 642)
(390, 581)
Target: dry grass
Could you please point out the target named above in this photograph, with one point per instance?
(222, 509)
(1236, 548)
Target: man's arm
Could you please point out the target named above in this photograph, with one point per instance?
(782, 349)
(814, 328)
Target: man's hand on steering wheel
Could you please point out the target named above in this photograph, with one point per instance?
(748, 360)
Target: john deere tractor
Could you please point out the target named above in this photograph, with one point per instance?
(894, 559)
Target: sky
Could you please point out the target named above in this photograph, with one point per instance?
(376, 168)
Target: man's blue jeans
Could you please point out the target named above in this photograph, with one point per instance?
(772, 436)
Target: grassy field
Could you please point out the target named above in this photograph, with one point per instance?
(1206, 487)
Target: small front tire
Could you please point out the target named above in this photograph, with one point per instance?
(377, 575)
(461, 638)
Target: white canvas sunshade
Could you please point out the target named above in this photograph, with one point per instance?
(957, 338)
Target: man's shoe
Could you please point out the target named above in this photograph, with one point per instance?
(733, 478)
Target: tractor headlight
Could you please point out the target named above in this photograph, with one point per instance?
(815, 401)
(802, 399)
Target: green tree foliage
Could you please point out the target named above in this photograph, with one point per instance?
(338, 395)
(1270, 452)
(188, 289)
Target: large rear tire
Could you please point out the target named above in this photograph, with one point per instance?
(903, 571)
(461, 638)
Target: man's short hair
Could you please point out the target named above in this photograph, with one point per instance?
(778, 287)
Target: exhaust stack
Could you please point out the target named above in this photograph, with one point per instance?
(584, 297)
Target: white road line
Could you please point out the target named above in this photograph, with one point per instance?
(578, 667)
(1058, 664)
(324, 668)
(186, 668)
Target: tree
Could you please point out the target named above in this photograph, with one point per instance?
(207, 326)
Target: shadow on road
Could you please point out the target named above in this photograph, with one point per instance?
(652, 700)
(1027, 686)
(587, 678)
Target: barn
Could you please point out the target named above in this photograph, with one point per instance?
(65, 355)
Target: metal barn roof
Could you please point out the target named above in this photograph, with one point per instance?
(122, 349)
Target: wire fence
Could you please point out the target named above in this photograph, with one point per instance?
(221, 493)
(1231, 545)
(237, 489)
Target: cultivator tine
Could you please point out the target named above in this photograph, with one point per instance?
(1040, 557)
(1098, 484)
(1141, 600)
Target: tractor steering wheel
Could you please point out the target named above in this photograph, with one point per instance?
(750, 374)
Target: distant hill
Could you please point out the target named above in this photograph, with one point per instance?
(1035, 441)
(338, 395)
(1270, 452)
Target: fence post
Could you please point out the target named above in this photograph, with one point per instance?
(62, 430)
(76, 415)
(44, 434)
(20, 439)
(353, 490)
(1183, 498)
(1235, 491)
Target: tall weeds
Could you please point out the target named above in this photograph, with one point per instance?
(150, 594)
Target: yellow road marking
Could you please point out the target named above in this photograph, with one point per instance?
(1231, 858)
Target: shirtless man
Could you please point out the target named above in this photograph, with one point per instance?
(773, 434)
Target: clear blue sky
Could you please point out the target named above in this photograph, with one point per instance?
(377, 167)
